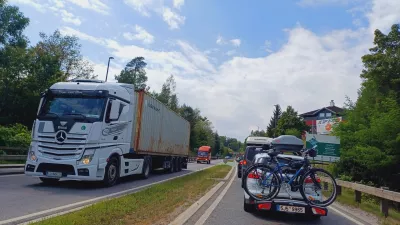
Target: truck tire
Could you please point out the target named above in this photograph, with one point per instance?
(111, 173)
(209, 162)
(172, 168)
(179, 164)
(49, 181)
(146, 169)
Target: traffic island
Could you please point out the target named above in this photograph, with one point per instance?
(159, 204)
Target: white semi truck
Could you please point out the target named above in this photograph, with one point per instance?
(96, 131)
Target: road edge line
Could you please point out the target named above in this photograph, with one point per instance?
(212, 207)
(85, 203)
(188, 213)
(346, 216)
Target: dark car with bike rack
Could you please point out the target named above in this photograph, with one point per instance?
(288, 196)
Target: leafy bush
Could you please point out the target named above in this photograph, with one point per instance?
(16, 135)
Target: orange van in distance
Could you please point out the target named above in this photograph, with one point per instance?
(204, 154)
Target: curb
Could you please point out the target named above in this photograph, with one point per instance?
(188, 213)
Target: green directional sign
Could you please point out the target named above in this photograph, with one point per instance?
(328, 146)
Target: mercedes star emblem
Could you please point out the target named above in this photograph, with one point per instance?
(61, 136)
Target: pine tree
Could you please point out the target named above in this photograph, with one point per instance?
(274, 121)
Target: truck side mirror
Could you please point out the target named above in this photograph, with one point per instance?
(114, 113)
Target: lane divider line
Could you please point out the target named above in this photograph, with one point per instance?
(188, 213)
(49, 213)
(345, 215)
(212, 207)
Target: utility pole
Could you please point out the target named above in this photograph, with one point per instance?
(108, 66)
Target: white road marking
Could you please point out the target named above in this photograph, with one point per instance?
(11, 175)
(54, 211)
(345, 216)
(210, 209)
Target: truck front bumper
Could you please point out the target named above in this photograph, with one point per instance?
(65, 169)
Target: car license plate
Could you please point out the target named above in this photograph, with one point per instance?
(292, 209)
(54, 174)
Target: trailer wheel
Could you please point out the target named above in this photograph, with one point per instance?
(111, 174)
(172, 167)
(179, 164)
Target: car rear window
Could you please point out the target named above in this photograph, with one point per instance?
(251, 151)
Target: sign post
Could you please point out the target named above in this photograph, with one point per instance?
(328, 147)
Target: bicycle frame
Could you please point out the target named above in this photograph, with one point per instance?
(279, 167)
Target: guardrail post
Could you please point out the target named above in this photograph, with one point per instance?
(338, 189)
(357, 196)
(385, 204)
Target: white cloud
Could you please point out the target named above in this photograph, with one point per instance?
(231, 52)
(267, 46)
(236, 42)
(147, 7)
(220, 40)
(384, 14)
(141, 34)
(179, 3)
(95, 5)
(57, 7)
(31, 3)
(173, 19)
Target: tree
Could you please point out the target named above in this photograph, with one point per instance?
(290, 121)
(168, 95)
(370, 136)
(217, 144)
(274, 121)
(12, 24)
(134, 73)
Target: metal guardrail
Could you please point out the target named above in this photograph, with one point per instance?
(13, 153)
(383, 193)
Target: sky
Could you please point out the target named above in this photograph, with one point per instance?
(234, 60)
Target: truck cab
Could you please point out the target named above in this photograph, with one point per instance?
(204, 154)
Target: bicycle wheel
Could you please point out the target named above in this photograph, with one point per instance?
(261, 183)
(316, 185)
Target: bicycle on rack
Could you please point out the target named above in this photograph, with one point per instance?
(306, 179)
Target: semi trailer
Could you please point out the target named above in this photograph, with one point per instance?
(100, 131)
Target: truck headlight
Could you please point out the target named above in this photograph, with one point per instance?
(87, 156)
(32, 155)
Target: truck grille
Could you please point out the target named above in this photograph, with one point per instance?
(72, 148)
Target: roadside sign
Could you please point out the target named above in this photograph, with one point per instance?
(325, 126)
(225, 161)
(328, 146)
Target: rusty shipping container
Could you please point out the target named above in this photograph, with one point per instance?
(157, 129)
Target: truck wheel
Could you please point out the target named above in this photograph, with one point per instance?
(179, 165)
(49, 180)
(172, 168)
(111, 173)
(146, 169)
(209, 162)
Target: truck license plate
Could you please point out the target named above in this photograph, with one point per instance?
(292, 209)
(54, 174)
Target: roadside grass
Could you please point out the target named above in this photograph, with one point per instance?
(158, 204)
(12, 162)
(369, 204)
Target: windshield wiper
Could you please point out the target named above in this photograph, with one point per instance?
(75, 114)
(48, 113)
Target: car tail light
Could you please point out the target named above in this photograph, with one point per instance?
(318, 211)
(309, 180)
(240, 162)
(244, 162)
(253, 175)
(264, 206)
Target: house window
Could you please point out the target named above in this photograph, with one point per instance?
(322, 115)
(328, 115)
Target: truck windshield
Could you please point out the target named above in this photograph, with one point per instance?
(203, 154)
(90, 108)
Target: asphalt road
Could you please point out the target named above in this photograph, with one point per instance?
(230, 211)
(22, 195)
